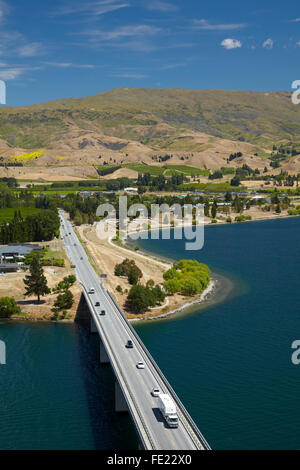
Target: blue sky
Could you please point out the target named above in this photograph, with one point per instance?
(70, 48)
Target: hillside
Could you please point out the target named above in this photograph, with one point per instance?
(129, 125)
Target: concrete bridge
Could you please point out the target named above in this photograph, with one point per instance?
(133, 386)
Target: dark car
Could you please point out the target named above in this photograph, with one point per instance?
(97, 304)
(129, 344)
(102, 312)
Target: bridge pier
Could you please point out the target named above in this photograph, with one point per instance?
(120, 402)
(104, 359)
(93, 325)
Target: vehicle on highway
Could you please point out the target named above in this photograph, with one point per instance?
(81, 257)
(74, 244)
(73, 266)
(140, 365)
(69, 233)
(92, 290)
(102, 312)
(155, 392)
(168, 410)
(97, 304)
(129, 344)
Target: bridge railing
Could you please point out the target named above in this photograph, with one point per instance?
(186, 414)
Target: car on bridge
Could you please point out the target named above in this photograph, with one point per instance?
(140, 365)
(92, 290)
(102, 312)
(97, 304)
(155, 392)
(129, 344)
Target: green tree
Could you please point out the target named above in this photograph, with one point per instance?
(132, 277)
(8, 307)
(150, 283)
(138, 299)
(214, 208)
(36, 282)
(65, 300)
(235, 181)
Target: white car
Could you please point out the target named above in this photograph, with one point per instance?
(140, 365)
(155, 392)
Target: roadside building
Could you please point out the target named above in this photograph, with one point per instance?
(17, 251)
(9, 268)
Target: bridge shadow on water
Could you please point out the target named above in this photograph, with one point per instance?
(110, 430)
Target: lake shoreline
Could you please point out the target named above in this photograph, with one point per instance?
(209, 295)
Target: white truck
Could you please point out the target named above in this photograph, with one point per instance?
(168, 410)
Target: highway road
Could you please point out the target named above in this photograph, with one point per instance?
(136, 384)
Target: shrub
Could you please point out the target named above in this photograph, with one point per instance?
(65, 300)
(128, 269)
(8, 307)
(140, 298)
(187, 277)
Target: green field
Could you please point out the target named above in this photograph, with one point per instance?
(166, 170)
(7, 214)
(209, 187)
(142, 168)
(185, 169)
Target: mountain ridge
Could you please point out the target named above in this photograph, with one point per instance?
(131, 124)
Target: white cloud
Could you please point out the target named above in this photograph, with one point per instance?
(160, 6)
(93, 8)
(4, 10)
(135, 76)
(295, 20)
(230, 43)
(172, 66)
(66, 65)
(30, 50)
(13, 73)
(205, 25)
(298, 43)
(10, 74)
(268, 44)
(122, 32)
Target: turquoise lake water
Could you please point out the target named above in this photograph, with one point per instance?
(230, 362)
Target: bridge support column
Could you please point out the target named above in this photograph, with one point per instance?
(104, 359)
(120, 402)
(93, 325)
